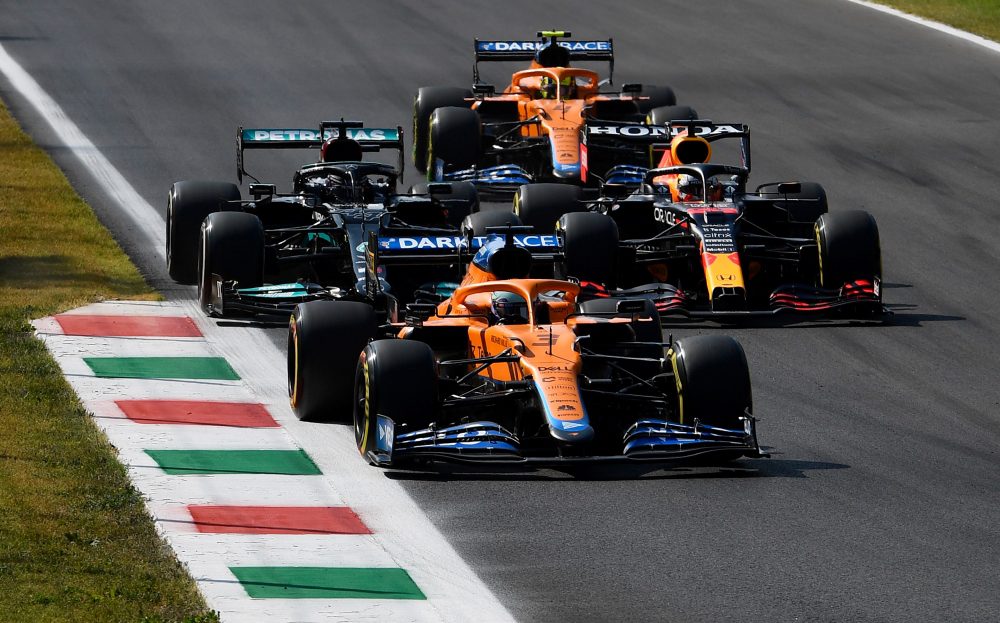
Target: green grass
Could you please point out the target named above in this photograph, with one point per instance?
(75, 541)
(981, 17)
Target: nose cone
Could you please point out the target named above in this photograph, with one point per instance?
(566, 171)
(571, 431)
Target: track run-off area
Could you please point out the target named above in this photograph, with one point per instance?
(881, 500)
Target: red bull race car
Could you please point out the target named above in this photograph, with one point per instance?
(695, 239)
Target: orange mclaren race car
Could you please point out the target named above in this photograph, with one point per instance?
(509, 369)
(530, 131)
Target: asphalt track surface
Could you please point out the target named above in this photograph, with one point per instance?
(882, 499)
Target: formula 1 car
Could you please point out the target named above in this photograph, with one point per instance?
(308, 244)
(694, 239)
(515, 370)
(530, 131)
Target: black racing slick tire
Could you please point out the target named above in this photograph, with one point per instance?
(665, 114)
(541, 205)
(188, 203)
(428, 100)
(849, 248)
(479, 221)
(324, 341)
(397, 379)
(590, 246)
(455, 138)
(658, 97)
(713, 381)
(232, 247)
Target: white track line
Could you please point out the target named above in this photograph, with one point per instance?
(401, 528)
(938, 26)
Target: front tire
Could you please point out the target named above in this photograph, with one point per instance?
(713, 381)
(398, 379)
(232, 247)
(324, 341)
(188, 204)
(455, 138)
(849, 248)
(428, 100)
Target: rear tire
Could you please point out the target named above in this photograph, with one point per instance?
(665, 114)
(713, 380)
(324, 341)
(849, 248)
(232, 246)
(541, 205)
(590, 246)
(658, 98)
(455, 138)
(429, 99)
(398, 379)
(188, 203)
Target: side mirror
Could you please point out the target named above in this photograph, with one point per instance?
(417, 313)
(486, 90)
(438, 188)
(263, 190)
(631, 306)
(617, 191)
(632, 88)
(789, 188)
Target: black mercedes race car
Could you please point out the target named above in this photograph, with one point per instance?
(265, 254)
(692, 236)
(530, 129)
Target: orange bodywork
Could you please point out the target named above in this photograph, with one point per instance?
(560, 116)
(545, 350)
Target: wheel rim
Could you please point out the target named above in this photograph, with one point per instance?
(362, 412)
(293, 363)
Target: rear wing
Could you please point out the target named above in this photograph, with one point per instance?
(370, 139)
(437, 248)
(658, 137)
(492, 50)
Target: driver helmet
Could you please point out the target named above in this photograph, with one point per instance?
(552, 55)
(509, 308)
(374, 191)
(689, 188)
(548, 88)
(340, 149)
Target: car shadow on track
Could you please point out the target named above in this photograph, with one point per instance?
(899, 315)
(755, 468)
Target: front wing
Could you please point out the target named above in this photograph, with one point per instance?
(648, 440)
